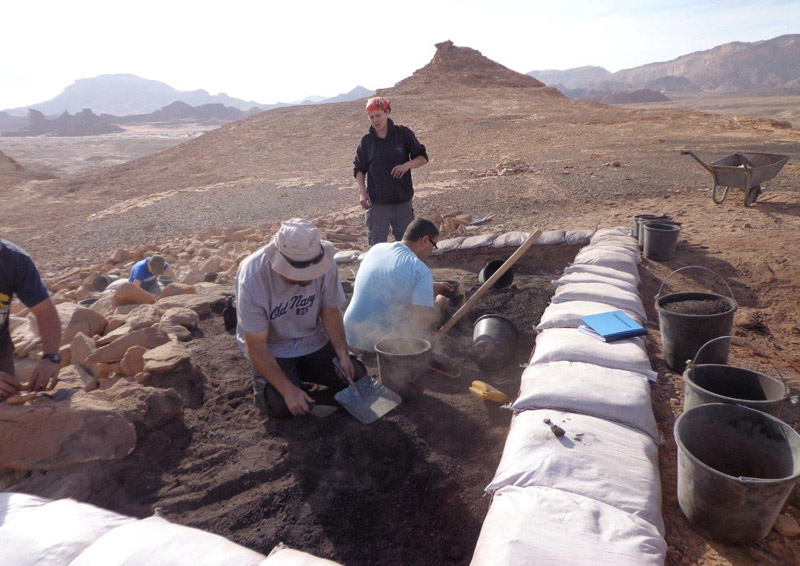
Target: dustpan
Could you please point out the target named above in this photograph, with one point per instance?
(366, 399)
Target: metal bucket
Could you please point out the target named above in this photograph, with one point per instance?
(488, 270)
(494, 338)
(719, 383)
(403, 365)
(660, 240)
(682, 335)
(736, 468)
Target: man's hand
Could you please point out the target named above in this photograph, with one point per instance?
(45, 375)
(8, 386)
(399, 170)
(347, 367)
(442, 288)
(365, 201)
(298, 401)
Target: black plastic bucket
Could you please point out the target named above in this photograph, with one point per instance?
(660, 240)
(639, 221)
(494, 338)
(100, 282)
(717, 383)
(488, 270)
(682, 335)
(403, 365)
(736, 468)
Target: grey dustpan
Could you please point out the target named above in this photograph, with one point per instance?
(367, 400)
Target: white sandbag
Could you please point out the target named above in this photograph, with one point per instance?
(570, 313)
(546, 527)
(578, 237)
(632, 278)
(596, 278)
(627, 241)
(346, 256)
(632, 252)
(613, 231)
(550, 238)
(595, 458)
(600, 293)
(156, 541)
(575, 387)
(607, 258)
(510, 240)
(282, 556)
(481, 241)
(448, 245)
(571, 345)
(35, 531)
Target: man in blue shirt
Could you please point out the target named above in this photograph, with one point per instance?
(394, 290)
(19, 276)
(145, 273)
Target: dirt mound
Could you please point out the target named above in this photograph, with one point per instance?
(12, 173)
(462, 66)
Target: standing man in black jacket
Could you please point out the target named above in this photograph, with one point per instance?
(385, 156)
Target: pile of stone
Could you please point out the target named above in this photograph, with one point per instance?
(507, 167)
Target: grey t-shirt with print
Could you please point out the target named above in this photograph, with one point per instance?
(289, 313)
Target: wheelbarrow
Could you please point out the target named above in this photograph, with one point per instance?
(748, 171)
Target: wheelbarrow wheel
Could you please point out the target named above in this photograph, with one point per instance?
(719, 194)
(752, 195)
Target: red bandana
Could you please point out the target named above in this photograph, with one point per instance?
(378, 103)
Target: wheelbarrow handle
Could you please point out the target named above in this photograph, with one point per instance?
(700, 161)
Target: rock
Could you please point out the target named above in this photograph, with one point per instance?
(128, 293)
(115, 334)
(174, 289)
(111, 381)
(787, 526)
(104, 371)
(166, 358)
(201, 303)
(144, 316)
(125, 310)
(104, 305)
(114, 352)
(176, 331)
(48, 434)
(114, 322)
(81, 348)
(195, 276)
(147, 407)
(181, 316)
(133, 360)
(78, 377)
(119, 255)
(216, 263)
(75, 318)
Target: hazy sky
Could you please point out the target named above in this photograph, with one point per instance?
(268, 52)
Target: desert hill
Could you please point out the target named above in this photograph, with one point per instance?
(12, 173)
(731, 67)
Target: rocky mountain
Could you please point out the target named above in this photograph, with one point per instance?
(355, 94)
(461, 66)
(180, 111)
(731, 67)
(126, 94)
(83, 123)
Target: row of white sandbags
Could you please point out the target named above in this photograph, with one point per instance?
(593, 495)
(39, 532)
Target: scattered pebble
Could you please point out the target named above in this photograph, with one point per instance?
(787, 526)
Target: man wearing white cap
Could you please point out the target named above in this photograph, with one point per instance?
(289, 322)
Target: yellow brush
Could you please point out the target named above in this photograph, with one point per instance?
(486, 392)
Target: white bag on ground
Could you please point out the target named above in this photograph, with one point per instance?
(473, 242)
(596, 278)
(547, 527)
(156, 541)
(607, 258)
(510, 240)
(570, 313)
(282, 556)
(571, 345)
(601, 293)
(631, 251)
(550, 238)
(578, 237)
(632, 278)
(36, 531)
(612, 394)
(613, 231)
(596, 458)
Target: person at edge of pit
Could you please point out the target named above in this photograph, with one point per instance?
(394, 292)
(289, 323)
(19, 276)
(385, 156)
(145, 273)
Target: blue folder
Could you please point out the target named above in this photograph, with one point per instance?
(610, 326)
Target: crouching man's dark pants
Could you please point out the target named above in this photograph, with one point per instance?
(316, 367)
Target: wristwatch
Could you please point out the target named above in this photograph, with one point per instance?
(55, 358)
